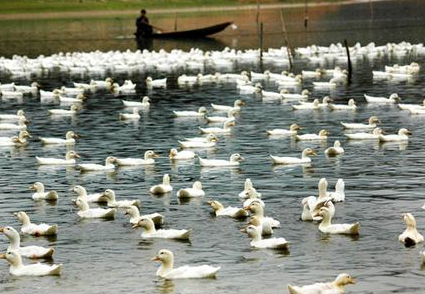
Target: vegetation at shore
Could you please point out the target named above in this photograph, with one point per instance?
(43, 6)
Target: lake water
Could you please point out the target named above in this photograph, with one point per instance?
(382, 180)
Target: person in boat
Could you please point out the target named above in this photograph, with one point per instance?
(144, 29)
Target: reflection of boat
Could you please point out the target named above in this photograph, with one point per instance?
(196, 33)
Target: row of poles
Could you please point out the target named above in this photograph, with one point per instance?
(260, 30)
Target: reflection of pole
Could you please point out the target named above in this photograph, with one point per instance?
(260, 44)
(305, 15)
(175, 22)
(285, 38)
(350, 68)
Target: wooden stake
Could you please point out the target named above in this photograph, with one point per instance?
(350, 68)
(175, 22)
(285, 38)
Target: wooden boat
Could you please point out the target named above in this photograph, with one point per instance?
(196, 33)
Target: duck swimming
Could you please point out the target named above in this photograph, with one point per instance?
(373, 122)
(293, 130)
(403, 135)
(236, 106)
(163, 188)
(181, 155)
(112, 202)
(168, 272)
(200, 113)
(328, 228)
(17, 268)
(267, 223)
(234, 161)
(394, 98)
(70, 137)
(133, 211)
(21, 126)
(257, 241)
(149, 158)
(350, 106)
(195, 191)
(226, 129)
(220, 210)
(305, 158)
(376, 133)
(40, 194)
(86, 212)
(26, 251)
(34, 229)
(132, 115)
(109, 165)
(69, 159)
(19, 140)
(335, 287)
(410, 236)
(323, 135)
(144, 104)
(335, 150)
(150, 232)
(207, 142)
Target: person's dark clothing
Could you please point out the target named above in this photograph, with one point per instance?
(143, 27)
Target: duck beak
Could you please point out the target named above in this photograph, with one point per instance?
(31, 187)
(156, 258)
(29, 135)
(77, 156)
(209, 202)
(409, 132)
(1, 230)
(352, 281)
(155, 155)
(242, 159)
(135, 226)
(3, 256)
(314, 153)
(246, 208)
(243, 230)
(15, 213)
(76, 136)
(316, 214)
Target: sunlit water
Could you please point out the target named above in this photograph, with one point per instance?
(382, 181)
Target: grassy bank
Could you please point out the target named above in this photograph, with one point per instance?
(43, 6)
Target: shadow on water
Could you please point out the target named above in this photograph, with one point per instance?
(206, 42)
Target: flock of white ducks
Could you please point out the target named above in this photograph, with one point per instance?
(321, 208)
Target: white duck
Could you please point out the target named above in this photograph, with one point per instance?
(200, 113)
(335, 287)
(335, 150)
(254, 232)
(167, 270)
(32, 89)
(50, 94)
(323, 135)
(226, 129)
(222, 119)
(267, 223)
(305, 158)
(70, 137)
(252, 195)
(132, 115)
(19, 140)
(181, 155)
(20, 114)
(150, 232)
(26, 251)
(314, 105)
(325, 102)
(236, 106)
(34, 229)
(293, 96)
(293, 130)
(410, 236)
(403, 135)
(109, 165)
(394, 98)
(350, 106)
(328, 228)
(234, 161)
(68, 100)
(163, 188)
(144, 104)
(69, 159)
(73, 110)
(82, 193)
(233, 212)
(40, 194)
(17, 268)
(376, 133)
(21, 126)
(207, 142)
(339, 194)
(86, 212)
(133, 211)
(158, 83)
(149, 158)
(247, 187)
(195, 191)
(373, 122)
(112, 202)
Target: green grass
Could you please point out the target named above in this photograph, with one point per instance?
(41, 6)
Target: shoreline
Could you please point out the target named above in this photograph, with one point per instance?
(115, 13)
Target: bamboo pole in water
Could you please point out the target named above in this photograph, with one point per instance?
(285, 37)
(175, 22)
(260, 44)
(350, 68)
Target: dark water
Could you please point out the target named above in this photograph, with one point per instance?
(382, 181)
